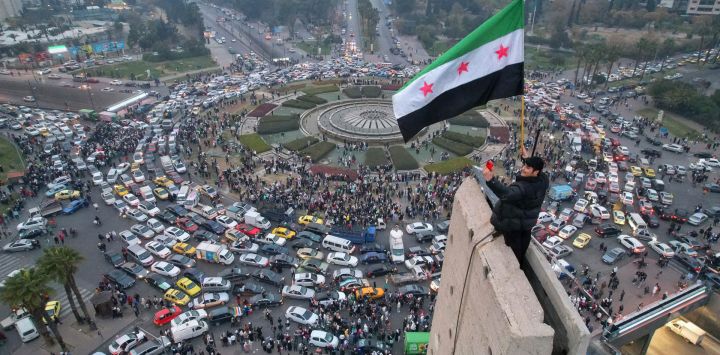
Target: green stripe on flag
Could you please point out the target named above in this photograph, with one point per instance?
(509, 19)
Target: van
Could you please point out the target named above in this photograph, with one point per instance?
(636, 222)
(338, 244)
(189, 330)
(140, 255)
(191, 199)
(691, 332)
(26, 329)
(183, 194)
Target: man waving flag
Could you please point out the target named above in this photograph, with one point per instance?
(485, 65)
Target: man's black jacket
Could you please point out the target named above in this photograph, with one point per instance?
(519, 204)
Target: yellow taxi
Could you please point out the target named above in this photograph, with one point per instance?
(44, 131)
(177, 297)
(284, 232)
(162, 181)
(52, 309)
(582, 240)
(184, 249)
(649, 172)
(134, 166)
(371, 292)
(67, 194)
(636, 171)
(120, 190)
(161, 193)
(188, 286)
(619, 217)
(304, 220)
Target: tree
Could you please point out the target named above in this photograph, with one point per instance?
(612, 55)
(650, 6)
(61, 263)
(30, 289)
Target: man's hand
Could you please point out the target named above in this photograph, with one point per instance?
(487, 173)
(523, 152)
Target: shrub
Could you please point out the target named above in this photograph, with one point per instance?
(318, 150)
(254, 142)
(470, 118)
(449, 166)
(314, 90)
(262, 110)
(391, 87)
(277, 124)
(299, 104)
(375, 157)
(371, 91)
(300, 143)
(474, 141)
(401, 158)
(353, 92)
(452, 146)
(312, 99)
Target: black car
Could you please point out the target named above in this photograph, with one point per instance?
(679, 215)
(703, 155)
(607, 231)
(31, 233)
(274, 249)
(712, 187)
(314, 265)
(177, 210)
(248, 288)
(115, 259)
(206, 236)
(167, 217)
(266, 299)
(415, 290)
(268, 276)
(692, 242)
(234, 274)
(193, 274)
(651, 152)
(712, 211)
(196, 218)
(425, 236)
(326, 298)
(158, 281)
(134, 270)
(372, 247)
(220, 315)
(181, 261)
(310, 236)
(417, 251)
(651, 220)
(693, 264)
(442, 226)
(379, 270)
(304, 243)
(120, 279)
(284, 260)
(213, 226)
(367, 346)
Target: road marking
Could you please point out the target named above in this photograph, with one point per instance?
(9, 263)
(65, 309)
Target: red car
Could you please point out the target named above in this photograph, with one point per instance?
(165, 315)
(248, 230)
(176, 178)
(186, 224)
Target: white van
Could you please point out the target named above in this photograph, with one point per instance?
(189, 330)
(636, 222)
(338, 244)
(26, 329)
(191, 199)
(691, 332)
(183, 194)
(140, 255)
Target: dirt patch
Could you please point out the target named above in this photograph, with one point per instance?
(629, 35)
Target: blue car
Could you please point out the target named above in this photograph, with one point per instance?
(55, 189)
(373, 257)
(75, 205)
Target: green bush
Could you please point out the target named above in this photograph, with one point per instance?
(312, 99)
(299, 104)
(452, 146)
(371, 91)
(277, 124)
(401, 158)
(375, 157)
(318, 150)
(474, 141)
(449, 166)
(254, 142)
(314, 90)
(300, 143)
(470, 118)
(353, 92)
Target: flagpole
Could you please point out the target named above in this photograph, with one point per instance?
(522, 124)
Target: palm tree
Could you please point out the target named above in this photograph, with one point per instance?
(61, 263)
(30, 289)
(612, 55)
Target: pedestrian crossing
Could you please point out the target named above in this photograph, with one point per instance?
(65, 310)
(10, 262)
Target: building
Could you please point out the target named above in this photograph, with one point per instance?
(703, 7)
(10, 8)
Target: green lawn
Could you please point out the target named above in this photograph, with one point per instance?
(312, 47)
(10, 158)
(674, 126)
(449, 166)
(545, 59)
(157, 69)
(255, 142)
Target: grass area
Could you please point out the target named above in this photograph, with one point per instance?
(312, 98)
(300, 143)
(375, 157)
(304, 105)
(255, 142)
(452, 146)
(277, 124)
(312, 47)
(314, 90)
(545, 59)
(449, 166)
(318, 150)
(138, 69)
(473, 141)
(10, 158)
(676, 127)
(470, 118)
(402, 159)
(439, 47)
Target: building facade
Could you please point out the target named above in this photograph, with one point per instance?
(703, 7)
(10, 8)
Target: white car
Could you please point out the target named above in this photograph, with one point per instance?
(342, 259)
(165, 240)
(158, 249)
(244, 246)
(297, 291)
(108, 198)
(32, 223)
(677, 148)
(21, 245)
(149, 208)
(567, 232)
(600, 177)
(323, 339)
(683, 248)
(165, 268)
(155, 225)
(661, 248)
(253, 259)
(631, 244)
(613, 177)
(697, 219)
(652, 195)
(179, 167)
(551, 242)
(61, 180)
(131, 200)
(120, 205)
(712, 162)
(211, 299)
(666, 198)
(599, 211)
(126, 342)
(129, 238)
(627, 198)
(180, 235)
(581, 205)
(197, 314)
(309, 279)
(418, 227)
(545, 217)
(271, 239)
(142, 231)
(226, 221)
(116, 82)
(137, 215)
(301, 315)
(122, 167)
(138, 176)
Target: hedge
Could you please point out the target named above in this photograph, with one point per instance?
(353, 92)
(474, 141)
(371, 91)
(318, 150)
(253, 141)
(449, 166)
(277, 124)
(452, 146)
(300, 143)
(470, 118)
(262, 110)
(299, 104)
(401, 158)
(312, 99)
(314, 90)
(375, 157)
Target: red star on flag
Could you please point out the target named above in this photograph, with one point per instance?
(463, 67)
(502, 52)
(426, 89)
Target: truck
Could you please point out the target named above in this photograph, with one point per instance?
(214, 253)
(47, 208)
(205, 211)
(561, 193)
(166, 163)
(691, 332)
(15, 316)
(255, 219)
(355, 235)
(416, 274)
(397, 248)
(237, 211)
(278, 215)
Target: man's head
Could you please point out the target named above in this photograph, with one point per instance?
(532, 166)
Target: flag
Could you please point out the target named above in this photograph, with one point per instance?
(485, 65)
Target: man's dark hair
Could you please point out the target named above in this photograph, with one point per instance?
(534, 162)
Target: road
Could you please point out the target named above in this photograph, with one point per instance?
(385, 38)
(666, 342)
